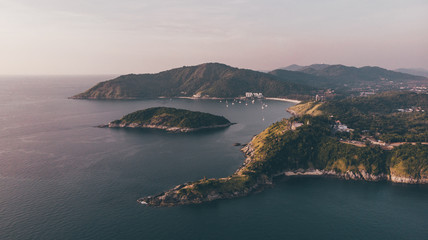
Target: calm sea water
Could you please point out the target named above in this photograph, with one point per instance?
(62, 178)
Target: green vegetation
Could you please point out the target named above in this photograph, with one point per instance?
(307, 108)
(410, 160)
(313, 145)
(311, 142)
(377, 116)
(211, 79)
(222, 186)
(219, 80)
(172, 117)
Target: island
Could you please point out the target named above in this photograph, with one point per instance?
(315, 142)
(170, 119)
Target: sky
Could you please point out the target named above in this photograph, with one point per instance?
(139, 36)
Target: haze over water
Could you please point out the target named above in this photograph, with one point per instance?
(63, 178)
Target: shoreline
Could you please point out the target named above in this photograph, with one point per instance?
(284, 100)
(162, 127)
(218, 98)
(173, 197)
(349, 175)
(192, 98)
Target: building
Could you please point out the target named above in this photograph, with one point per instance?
(258, 95)
(295, 125)
(366, 94)
(342, 127)
(253, 95)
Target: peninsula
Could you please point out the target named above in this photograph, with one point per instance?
(208, 80)
(170, 119)
(216, 80)
(312, 144)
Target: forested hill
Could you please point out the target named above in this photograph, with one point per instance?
(303, 78)
(170, 119)
(210, 79)
(346, 77)
(390, 116)
(310, 149)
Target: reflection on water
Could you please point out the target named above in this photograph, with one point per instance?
(63, 178)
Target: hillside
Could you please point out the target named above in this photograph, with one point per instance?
(310, 149)
(301, 78)
(170, 119)
(347, 78)
(390, 116)
(210, 79)
(414, 71)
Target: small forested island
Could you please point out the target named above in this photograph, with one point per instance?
(315, 142)
(170, 119)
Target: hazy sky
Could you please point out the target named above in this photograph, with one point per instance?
(107, 36)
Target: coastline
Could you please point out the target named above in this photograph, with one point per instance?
(182, 97)
(201, 98)
(292, 112)
(162, 127)
(217, 98)
(363, 175)
(284, 100)
(182, 194)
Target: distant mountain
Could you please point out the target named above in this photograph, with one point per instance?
(293, 67)
(414, 71)
(351, 74)
(210, 79)
(302, 78)
(344, 77)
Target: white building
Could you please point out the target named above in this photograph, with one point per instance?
(258, 95)
(295, 125)
(255, 95)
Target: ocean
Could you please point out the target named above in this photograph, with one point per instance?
(63, 178)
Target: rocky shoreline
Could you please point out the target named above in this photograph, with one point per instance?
(162, 127)
(175, 197)
(349, 175)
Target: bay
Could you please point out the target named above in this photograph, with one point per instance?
(63, 178)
